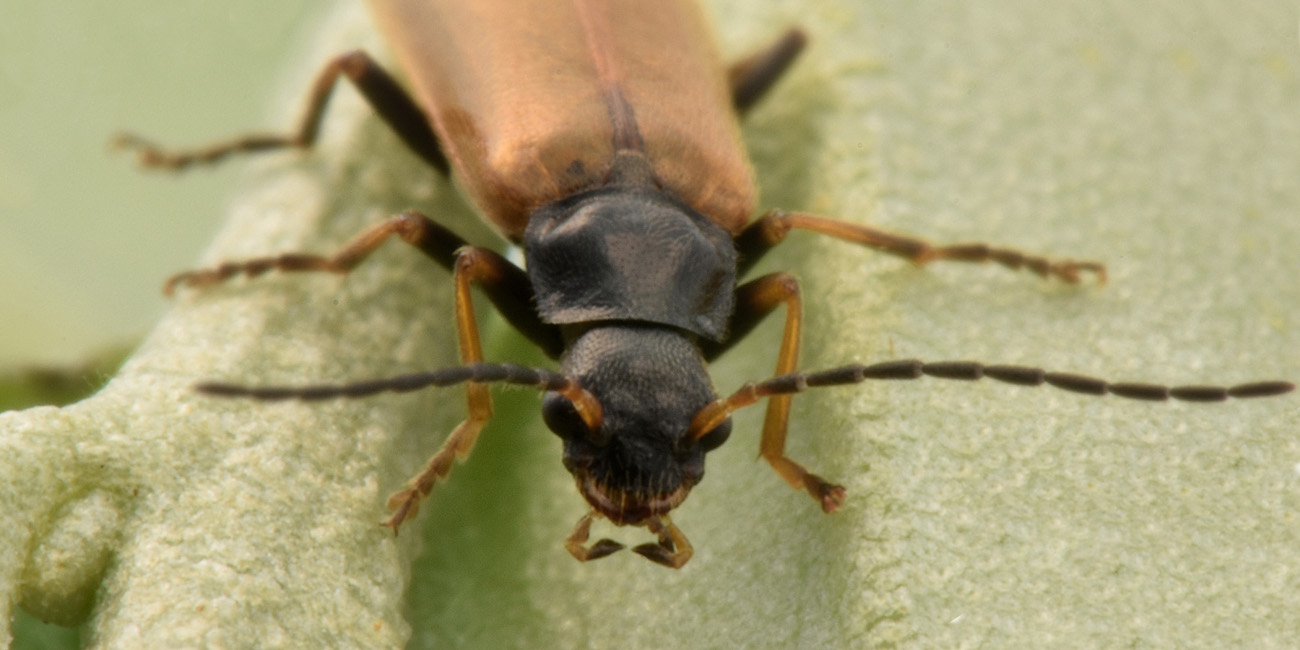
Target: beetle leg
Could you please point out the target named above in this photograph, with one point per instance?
(751, 77)
(576, 543)
(755, 300)
(772, 228)
(393, 105)
(472, 265)
(505, 284)
(434, 240)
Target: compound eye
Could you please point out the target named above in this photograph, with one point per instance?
(714, 439)
(563, 420)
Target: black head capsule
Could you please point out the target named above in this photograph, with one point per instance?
(650, 382)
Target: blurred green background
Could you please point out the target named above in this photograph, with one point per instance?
(85, 237)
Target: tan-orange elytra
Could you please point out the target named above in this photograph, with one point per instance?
(524, 106)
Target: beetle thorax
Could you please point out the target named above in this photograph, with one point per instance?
(631, 253)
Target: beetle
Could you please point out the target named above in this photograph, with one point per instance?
(603, 137)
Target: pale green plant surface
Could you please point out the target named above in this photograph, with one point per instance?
(1155, 136)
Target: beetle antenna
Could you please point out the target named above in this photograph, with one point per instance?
(585, 403)
(796, 382)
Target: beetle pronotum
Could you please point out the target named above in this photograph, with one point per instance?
(609, 149)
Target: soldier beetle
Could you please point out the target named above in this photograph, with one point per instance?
(603, 136)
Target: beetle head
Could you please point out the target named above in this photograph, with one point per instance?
(650, 381)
